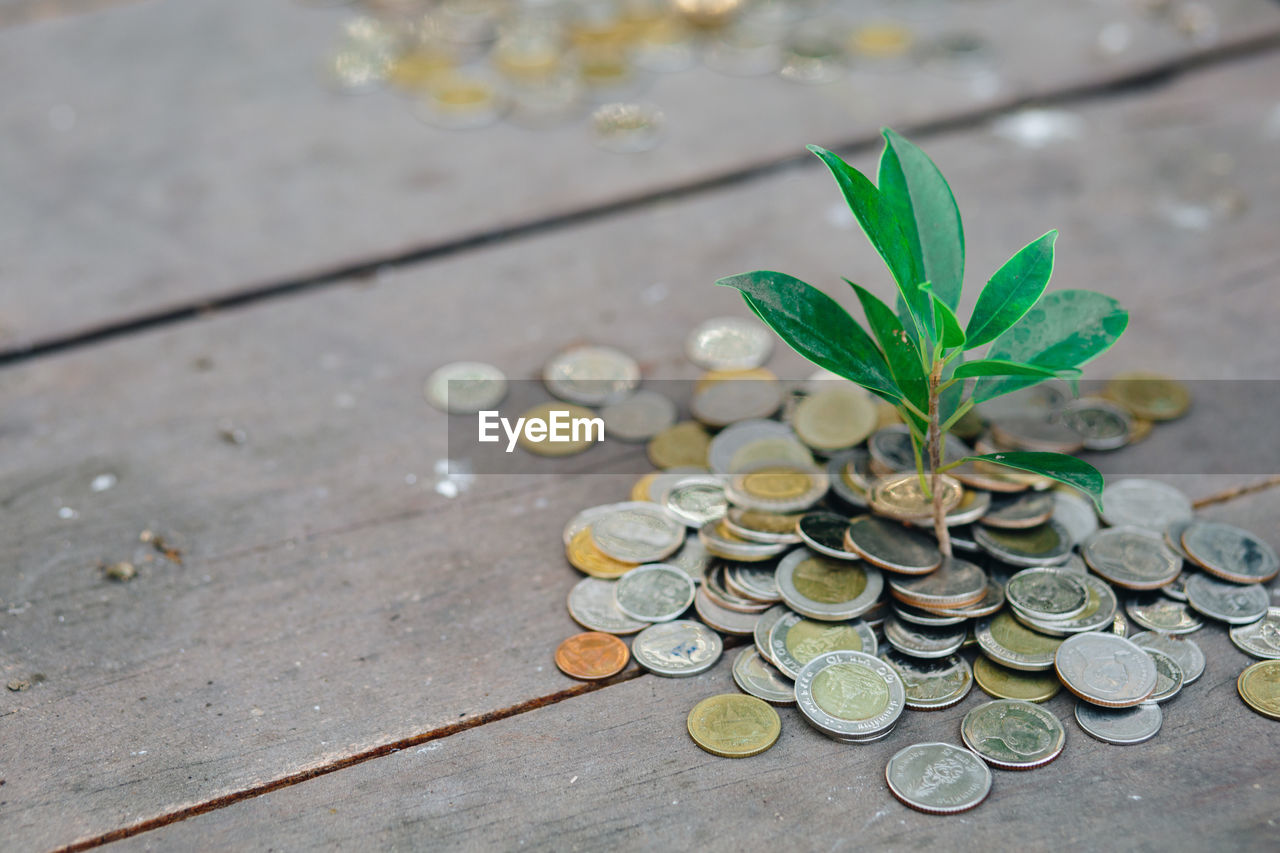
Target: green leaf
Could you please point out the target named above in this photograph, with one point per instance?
(879, 222)
(944, 319)
(926, 210)
(1013, 289)
(905, 362)
(1066, 328)
(1055, 466)
(817, 327)
(1000, 367)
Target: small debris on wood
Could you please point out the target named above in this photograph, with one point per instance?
(121, 571)
(17, 685)
(232, 434)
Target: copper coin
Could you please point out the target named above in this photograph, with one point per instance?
(592, 655)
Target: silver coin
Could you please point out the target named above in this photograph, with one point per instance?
(730, 400)
(465, 387)
(1260, 639)
(677, 649)
(848, 693)
(584, 519)
(923, 642)
(729, 343)
(693, 559)
(1037, 432)
(1105, 669)
(715, 539)
(718, 592)
(1101, 424)
(1230, 552)
(824, 533)
(890, 448)
(1019, 510)
(1120, 726)
(1187, 654)
(1233, 603)
(1074, 564)
(753, 580)
(1097, 615)
(1148, 504)
(1169, 676)
(1075, 513)
(664, 480)
(592, 605)
(637, 533)
(654, 593)
(591, 375)
(757, 677)
(747, 523)
(795, 640)
(721, 618)
(763, 626)
(938, 778)
(639, 417)
(1049, 594)
(931, 685)
(974, 504)
(1177, 588)
(1157, 613)
(1046, 545)
(1012, 734)
(850, 476)
(696, 500)
(1173, 536)
(892, 546)
(927, 618)
(731, 440)
(1131, 557)
(827, 589)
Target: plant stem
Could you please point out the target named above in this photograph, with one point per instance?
(935, 461)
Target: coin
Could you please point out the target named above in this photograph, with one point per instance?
(1036, 432)
(592, 656)
(992, 600)
(1100, 424)
(1004, 683)
(654, 593)
(1149, 395)
(1120, 726)
(721, 618)
(464, 387)
(1232, 603)
(729, 343)
(692, 559)
(1185, 652)
(677, 649)
(938, 778)
(881, 40)
(736, 399)
(1149, 504)
(1173, 536)
(835, 418)
(753, 581)
(850, 476)
(892, 546)
(736, 440)
(639, 417)
(1157, 613)
(1105, 669)
(1019, 511)
(757, 525)
(733, 725)
(973, 506)
(1260, 639)
(640, 489)
(1259, 687)
(1229, 552)
(663, 481)
(591, 375)
(578, 441)
(764, 625)
(1007, 642)
(1096, 616)
(928, 618)
(777, 488)
(956, 583)
(1049, 594)
(824, 533)
(1168, 676)
(1131, 557)
(931, 685)
(1075, 513)
(683, 444)
(848, 693)
(756, 676)
(719, 541)
(827, 589)
(921, 641)
(1046, 545)
(901, 495)
(1012, 734)
(719, 593)
(795, 640)
(637, 533)
(696, 499)
(584, 556)
(592, 605)
(892, 452)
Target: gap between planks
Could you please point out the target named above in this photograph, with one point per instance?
(1156, 74)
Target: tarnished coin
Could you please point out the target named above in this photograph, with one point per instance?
(733, 725)
(1105, 669)
(1019, 511)
(1120, 726)
(637, 533)
(717, 587)
(1169, 676)
(1013, 735)
(696, 500)
(568, 417)
(1149, 395)
(764, 625)
(892, 453)
(956, 583)
(931, 685)
(1259, 687)
(938, 778)
(721, 618)
(758, 525)
(1075, 513)
(757, 677)
(584, 556)
(1157, 613)
(921, 641)
(992, 600)
(1048, 544)
(1011, 644)
(1229, 552)
(777, 488)
(973, 506)
(736, 399)
(685, 443)
(1262, 638)
(1049, 594)
(677, 649)
(729, 343)
(717, 539)
(752, 580)
(591, 375)
(835, 418)
(592, 656)
(826, 589)
(465, 387)
(1235, 604)
(1098, 613)
(850, 476)
(654, 593)
(848, 693)
(1131, 557)
(901, 496)
(795, 640)
(592, 605)
(824, 533)
(1101, 425)
(1004, 683)
(1173, 536)
(1037, 432)
(1184, 651)
(639, 417)
(736, 440)
(891, 546)
(1148, 504)
(693, 559)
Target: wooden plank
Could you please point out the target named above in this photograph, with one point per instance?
(305, 546)
(223, 164)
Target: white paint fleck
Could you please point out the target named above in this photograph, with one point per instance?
(574, 779)
(1037, 129)
(66, 513)
(410, 479)
(1134, 797)
(102, 482)
(315, 707)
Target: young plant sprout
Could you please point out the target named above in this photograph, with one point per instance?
(914, 357)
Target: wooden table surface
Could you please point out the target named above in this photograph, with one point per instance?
(347, 655)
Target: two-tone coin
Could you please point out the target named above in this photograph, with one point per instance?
(922, 641)
(835, 418)
(1148, 504)
(1097, 615)
(903, 497)
(824, 533)
(891, 546)
(756, 676)
(591, 375)
(1004, 683)
(677, 649)
(654, 593)
(826, 589)
(777, 488)
(734, 725)
(1132, 557)
(732, 445)
(849, 694)
(1184, 651)
(1105, 669)
(938, 778)
(1048, 544)
(592, 656)
(639, 417)
(1120, 726)
(1011, 644)
(1012, 734)
(1259, 687)
(795, 640)
(1019, 511)
(931, 685)
(1229, 552)
(1261, 638)
(592, 605)
(729, 343)
(1233, 603)
(465, 387)
(637, 532)
(584, 556)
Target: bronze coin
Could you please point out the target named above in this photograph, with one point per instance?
(592, 655)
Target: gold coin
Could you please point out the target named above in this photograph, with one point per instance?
(734, 725)
(886, 415)
(568, 417)
(881, 40)
(1259, 687)
(828, 581)
(711, 377)
(776, 483)
(640, 491)
(584, 556)
(901, 495)
(686, 443)
(1139, 429)
(415, 71)
(835, 418)
(771, 524)
(1004, 683)
(1149, 395)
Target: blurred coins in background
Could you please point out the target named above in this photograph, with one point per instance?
(465, 387)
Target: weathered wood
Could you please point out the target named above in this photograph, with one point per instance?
(223, 163)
